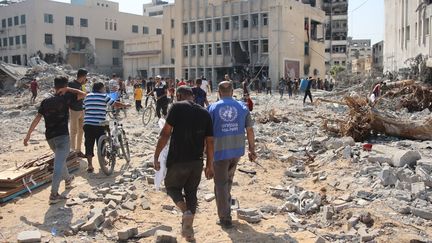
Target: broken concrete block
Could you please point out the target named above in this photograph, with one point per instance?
(168, 207)
(352, 222)
(123, 194)
(328, 212)
(77, 226)
(400, 158)
(145, 204)
(129, 205)
(104, 190)
(117, 199)
(364, 235)
(339, 208)
(366, 218)
(387, 176)
(112, 213)
(107, 223)
(127, 233)
(165, 237)
(152, 231)
(150, 180)
(422, 213)
(29, 236)
(418, 188)
(112, 205)
(209, 197)
(93, 223)
(127, 174)
(249, 215)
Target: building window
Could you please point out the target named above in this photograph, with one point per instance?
(254, 46)
(192, 27)
(23, 19)
(9, 22)
(236, 22)
(172, 61)
(11, 41)
(111, 25)
(185, 28)
(209, 25)
(1, 58)
(201, 50)
(115, 26)
(185, 51)
(210, 49)
(254, 20)
(48, 39)
(306, 48)
(158, 31)
(106, 24)
(172, 43)
(134, 28)
(245, 23)
(48, 18)
(16, 20)
(84, 22)
(6, 59)
(226, 23)
(5, 42)
(116, 61)
(18, 40)
(218, 49)
(24, 39)
(172, 23)
(264, 46)
(218, 25)
(408, 33)
(145, 30)
(69, 20)
(3, 23)
(115, 45)
(201, 26)
(193, 50)
(426, 26)
(265, 19)
(226, 48)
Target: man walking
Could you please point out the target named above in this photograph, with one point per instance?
(200, 96)
(77, 114)
(190, 127)
(308, 90)
(33, 88)
(230, 120)
(162, 101)
(55, 111)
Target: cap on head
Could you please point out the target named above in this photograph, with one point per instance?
(82, 72)
(158, 77)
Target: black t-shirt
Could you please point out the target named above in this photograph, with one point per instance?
(150, 86)
(191, 125)
(200, 96)
(160, 90)
(55, 111)
(76, 105)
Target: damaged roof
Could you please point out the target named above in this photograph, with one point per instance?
(14, 71)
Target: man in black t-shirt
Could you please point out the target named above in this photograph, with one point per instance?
(190, 128)
(162, 101)
(200, 96)
(55, 111)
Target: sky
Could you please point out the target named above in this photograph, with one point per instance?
(366, 19)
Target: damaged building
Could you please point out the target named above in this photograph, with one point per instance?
(212, 38)
(70, 33)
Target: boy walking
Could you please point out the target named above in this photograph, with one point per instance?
(138, 93)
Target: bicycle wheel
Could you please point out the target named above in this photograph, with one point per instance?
(148, 114)
(124, 145)
(106, 155)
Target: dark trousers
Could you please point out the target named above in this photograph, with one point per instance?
(138, 105)
(184, 177)
(33, 97)
(162, 104)
(223, 178)
(308, 93)
(92, 135)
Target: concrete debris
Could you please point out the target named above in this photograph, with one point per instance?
(29, 236)
(93, 223)
(387, 177)
(249, 215)
(209, 197)
(127, 233)
(129, 205)
(152, 231)
(165, 237)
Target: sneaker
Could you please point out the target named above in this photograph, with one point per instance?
(225, 223)
(68, 182)
(56, 198)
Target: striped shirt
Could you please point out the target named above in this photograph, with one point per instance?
(95, 105)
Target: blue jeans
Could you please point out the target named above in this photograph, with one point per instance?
(60, 146)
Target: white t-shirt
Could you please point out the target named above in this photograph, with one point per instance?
(113, 85)
(204, 85)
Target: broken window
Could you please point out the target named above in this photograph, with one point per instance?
(210, 49)
(227, 23)
(218, 49)
(185, 29)
(226, 48)
(236, 22)
(264, 47)
(185, 51)
(245, 23)
(254, 20)
(265, 19)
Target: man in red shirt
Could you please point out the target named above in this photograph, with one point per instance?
(181, 83)
(33, 88)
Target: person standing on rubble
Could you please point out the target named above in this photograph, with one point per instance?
(55, 111)
(230, 120)
(160, 91)
(77, 114)
(34, 89)
(308, 90)
(190, 127)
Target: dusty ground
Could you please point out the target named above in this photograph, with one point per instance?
(33, 212)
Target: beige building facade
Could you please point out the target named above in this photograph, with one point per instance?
(407, 32)
(212, 38)
(85, 33)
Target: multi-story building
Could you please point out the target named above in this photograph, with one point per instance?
(85, 33)
(336, 32)
(407, 32)
(378, 58)
(212, 38)
(358, 49)
(155, 8)
(362, 65)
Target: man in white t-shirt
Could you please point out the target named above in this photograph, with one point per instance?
(205, 85)
(113, 84)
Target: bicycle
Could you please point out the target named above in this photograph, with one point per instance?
(119, 112)
(149, 111)
(111, 144)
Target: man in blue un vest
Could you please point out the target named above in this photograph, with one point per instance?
(231, 120)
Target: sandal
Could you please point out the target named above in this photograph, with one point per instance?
(56, 198)
(68, 182)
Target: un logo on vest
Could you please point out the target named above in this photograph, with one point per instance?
(228, 113)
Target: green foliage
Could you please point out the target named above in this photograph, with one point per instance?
(336, 69)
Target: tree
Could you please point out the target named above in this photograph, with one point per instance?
(336, 69)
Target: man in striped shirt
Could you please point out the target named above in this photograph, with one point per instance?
(95, 105)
